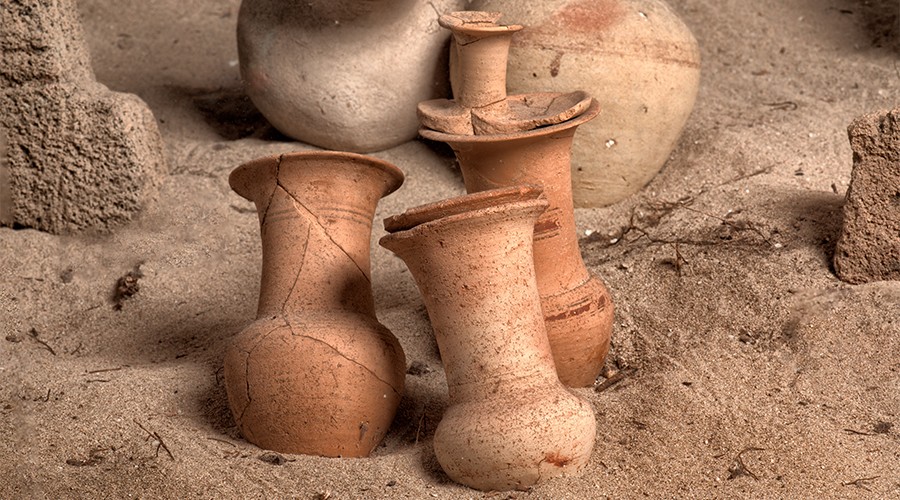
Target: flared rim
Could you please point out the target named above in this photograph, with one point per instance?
(472, 22)
(465, 206)
(589, 114)
(242, 177)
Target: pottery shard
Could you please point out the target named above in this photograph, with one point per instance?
(869, 246)
(73, 154)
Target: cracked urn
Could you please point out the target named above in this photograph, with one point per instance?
(511, 423)
(315, 373)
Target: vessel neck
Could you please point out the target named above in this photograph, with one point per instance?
(540, 158)
(315, 214)
(313, 257)
(479, 52)
(477, 278)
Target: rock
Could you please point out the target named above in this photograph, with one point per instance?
(636, 57)
(344, 75)
(869, 245)
(73, 154)
(41, 43)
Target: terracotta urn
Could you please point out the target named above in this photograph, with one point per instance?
(577, 306)
(510, 423)
(635, 56)
(535, 149)
(479, 46)
(315, 373)
(343, 75)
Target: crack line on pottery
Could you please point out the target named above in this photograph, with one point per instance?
(299, 270)
(339, 353)
(247, 370)
(550, 105)
(324, 230)
(488, 104)
(262, 222)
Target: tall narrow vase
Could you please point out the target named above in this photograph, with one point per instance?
(510, 423)
(479, 46)
(315, 373)
(577, 306)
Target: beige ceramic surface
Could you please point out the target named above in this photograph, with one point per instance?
(636, 57)
(316, 70)
(577, 307)
(510, 424)
(315, 373)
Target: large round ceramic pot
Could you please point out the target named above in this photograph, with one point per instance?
(636, 57)
(343, 75)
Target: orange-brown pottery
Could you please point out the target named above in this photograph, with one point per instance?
(511, 423)
(315, 373)
(478, 55)
(577, 306)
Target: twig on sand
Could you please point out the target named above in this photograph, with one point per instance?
(222, 441)
(615, 378)
(421, 424)
(737, 226)
(44, 399)
(739, 468)
(155, 435)
(104, 370)
(859, 482)
(33, 333)
(860, 433)
(679, 260)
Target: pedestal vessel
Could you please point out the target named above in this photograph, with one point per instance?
(534, 148)
(511, 423)
(315, 373)
(577, 306)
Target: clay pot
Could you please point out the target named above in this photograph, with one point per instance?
(635, 56)
(317, 70)
(481, 106)
(478, 55)
(315, 373)
(510, 423)
(577, 306)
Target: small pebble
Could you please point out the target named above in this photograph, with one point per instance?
(273, 458)
(418, 368)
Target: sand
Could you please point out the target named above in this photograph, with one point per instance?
(756, 372)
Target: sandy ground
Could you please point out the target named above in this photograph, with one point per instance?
(759, 374)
